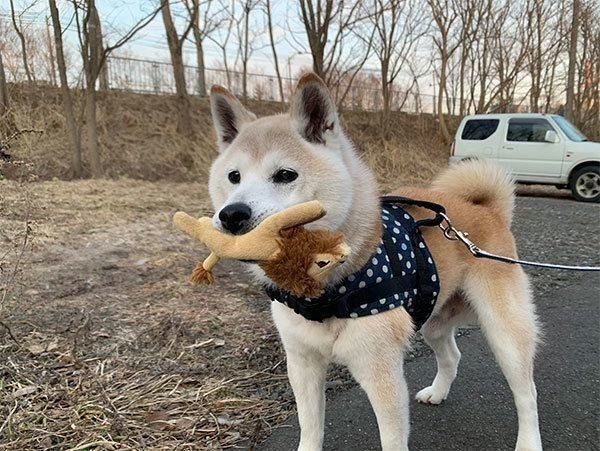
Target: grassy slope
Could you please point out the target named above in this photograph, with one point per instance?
(138, 138)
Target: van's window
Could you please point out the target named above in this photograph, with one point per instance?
(569, 129)
(528, 130)
(479, 129)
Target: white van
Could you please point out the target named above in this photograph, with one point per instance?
(536, 148)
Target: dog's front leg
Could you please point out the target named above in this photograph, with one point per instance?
(384, 383)
(307, 371)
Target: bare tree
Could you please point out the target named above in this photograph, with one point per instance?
(184, 124)
(399, 25)
(447, 40)
(572, 60)
(4, 102)
(19, 31)
(269, 15)
(94, 55)
(331, 28)
(245, 48)
(587, 90)
(51, 59)
(207, 20)
(76, 166)
(547, 31)
(96, 39)
(222, 35)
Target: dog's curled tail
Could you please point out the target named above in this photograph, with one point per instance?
(480, 182)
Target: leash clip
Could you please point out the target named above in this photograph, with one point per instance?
(453, 234)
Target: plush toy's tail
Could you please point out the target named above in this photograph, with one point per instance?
(201, 275)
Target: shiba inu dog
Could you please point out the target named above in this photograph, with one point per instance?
(271, 163)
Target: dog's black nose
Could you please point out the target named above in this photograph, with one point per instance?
(235, 216)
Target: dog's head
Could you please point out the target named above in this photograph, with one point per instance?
(268, 164)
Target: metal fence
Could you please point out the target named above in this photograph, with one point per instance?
(146, 76)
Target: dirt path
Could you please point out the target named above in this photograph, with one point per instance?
(114, 347)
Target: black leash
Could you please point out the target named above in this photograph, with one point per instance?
(442, 220)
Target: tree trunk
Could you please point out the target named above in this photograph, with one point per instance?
(92, 132)
(4, 103)
(51, 57)
(200, 64)
(184, 124)
(201, 80)
(247, 9)
(76, 168)
(386, 97)
(7, 125)
(318, 65)
(275, 60)
(22, 40)
(98, 44)
(569, 111)
(440, 101)
(461, 81)
(92, 70)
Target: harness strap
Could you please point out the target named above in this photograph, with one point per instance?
(438, 209)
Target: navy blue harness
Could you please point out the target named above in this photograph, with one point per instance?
(401, 273)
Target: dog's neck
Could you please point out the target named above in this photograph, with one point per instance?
(362, 230)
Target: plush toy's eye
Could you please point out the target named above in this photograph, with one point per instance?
(285, 176)
(322, 263)
(234, 177)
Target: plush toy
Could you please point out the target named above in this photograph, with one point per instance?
(294, 258)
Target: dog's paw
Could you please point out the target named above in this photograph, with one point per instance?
(430, 396)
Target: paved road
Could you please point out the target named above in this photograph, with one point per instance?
(479, 413)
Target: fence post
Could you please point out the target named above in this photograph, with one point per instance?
(155, 79)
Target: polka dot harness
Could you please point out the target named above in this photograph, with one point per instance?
(401, 273)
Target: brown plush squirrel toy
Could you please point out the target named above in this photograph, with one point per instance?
(294, 258)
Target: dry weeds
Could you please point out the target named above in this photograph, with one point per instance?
(138, 138)
(113, 348)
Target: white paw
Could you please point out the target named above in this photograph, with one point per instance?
(431, 396)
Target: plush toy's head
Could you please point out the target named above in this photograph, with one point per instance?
(304, 258)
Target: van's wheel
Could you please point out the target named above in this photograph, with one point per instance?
(585, 184)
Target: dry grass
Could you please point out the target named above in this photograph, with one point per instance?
(112, 347)
(138, 138)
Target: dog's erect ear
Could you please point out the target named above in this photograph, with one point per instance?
(228, 115)
(313, 110)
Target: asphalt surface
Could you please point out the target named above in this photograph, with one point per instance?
(479, 413)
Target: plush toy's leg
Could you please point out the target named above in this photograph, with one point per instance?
(202, 273)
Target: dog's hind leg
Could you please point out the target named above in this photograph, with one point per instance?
(438, 332)
(501, 298)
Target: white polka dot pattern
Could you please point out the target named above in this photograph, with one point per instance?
(400, 273)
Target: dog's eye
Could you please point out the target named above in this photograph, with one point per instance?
(285, 176)
(322, 263)
(234, 177)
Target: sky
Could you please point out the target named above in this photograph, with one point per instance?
(118, 16)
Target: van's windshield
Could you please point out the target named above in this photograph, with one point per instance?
(569, 129)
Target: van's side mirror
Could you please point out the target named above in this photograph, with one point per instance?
(551, 136)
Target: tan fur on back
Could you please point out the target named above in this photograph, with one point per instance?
(482, 183)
